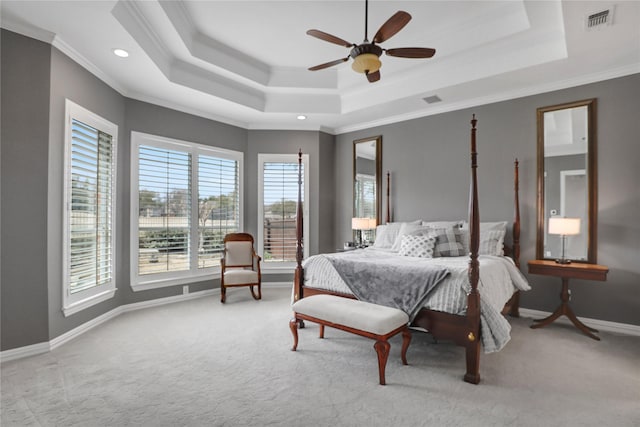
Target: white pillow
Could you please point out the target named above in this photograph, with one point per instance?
(387, 235)
(491, 242)
(500, 227)
(417, 246)
(381, 237)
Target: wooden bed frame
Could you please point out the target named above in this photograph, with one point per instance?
(463, 330)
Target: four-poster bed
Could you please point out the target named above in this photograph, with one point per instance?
(464, 327)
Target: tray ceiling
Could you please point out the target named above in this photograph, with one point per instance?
(245, 62)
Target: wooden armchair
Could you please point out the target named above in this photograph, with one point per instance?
(240, 265)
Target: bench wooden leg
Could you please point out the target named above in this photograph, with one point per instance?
(382, 348)
(293, 325)
(321, 331)
(406, 340)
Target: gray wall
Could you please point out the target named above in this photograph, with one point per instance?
(36, 80)
(429, 163)
(156, 120)
(319, 147)
(24, 151)
(70, 81)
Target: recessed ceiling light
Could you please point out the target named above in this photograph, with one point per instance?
(302, 117)
(121, 53)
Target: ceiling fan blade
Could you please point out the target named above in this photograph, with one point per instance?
(411, 52)
(329, 38)
(392, 26)
(373, 77)
(328, 64)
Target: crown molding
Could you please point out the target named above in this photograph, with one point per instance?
(490, 99)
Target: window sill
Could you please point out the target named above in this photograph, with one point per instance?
(88, 302)
(145, 285)
(288, 268)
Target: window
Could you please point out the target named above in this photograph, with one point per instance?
(277, 208)
(89, 220)
(185, 197)
(365, 195)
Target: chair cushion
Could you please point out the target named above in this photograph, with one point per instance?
(239, 277)
(238, 253)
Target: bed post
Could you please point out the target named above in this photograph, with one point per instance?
(298, 278)
(473, 299)
(388, 217)
(514, 303)
(516, 219)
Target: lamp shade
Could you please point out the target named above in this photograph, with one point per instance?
(564, 226)
(363, 223)
(368, 62)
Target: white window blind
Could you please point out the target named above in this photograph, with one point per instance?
(218, 206)
(91, 253)
(185, 198)
(278, 203)
(164, 188)
(365, 196)
(89, 216)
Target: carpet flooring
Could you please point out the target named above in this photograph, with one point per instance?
(200, 363)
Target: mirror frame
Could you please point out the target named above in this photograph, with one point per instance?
(592, 177)
(378, 202)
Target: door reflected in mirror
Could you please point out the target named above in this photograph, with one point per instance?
(566, 180)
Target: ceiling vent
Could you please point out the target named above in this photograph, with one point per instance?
(599, 19)
(432, 99)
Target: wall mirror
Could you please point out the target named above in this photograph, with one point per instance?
(567, 181)
(367, 180)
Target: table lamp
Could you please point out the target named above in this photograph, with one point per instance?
(564, 227)
(360, 224)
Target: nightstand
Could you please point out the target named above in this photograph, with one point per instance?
(575, 270)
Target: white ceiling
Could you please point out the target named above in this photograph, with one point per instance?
(245, 62)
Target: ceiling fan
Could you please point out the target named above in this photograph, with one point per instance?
(366, 56)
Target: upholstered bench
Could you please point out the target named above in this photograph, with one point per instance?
(358, 317)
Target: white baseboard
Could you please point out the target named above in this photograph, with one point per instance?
(277, 284)
(44, 347)
(26, 351)
(602, 325)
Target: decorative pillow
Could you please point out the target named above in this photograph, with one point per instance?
(409, 228)
(417, 246)
(448, 242)
(491, 242)
(500, 227)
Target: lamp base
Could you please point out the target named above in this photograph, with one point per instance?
(563, 261)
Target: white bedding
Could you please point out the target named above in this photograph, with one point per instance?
(499, 279)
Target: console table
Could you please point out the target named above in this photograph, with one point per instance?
(575, 270)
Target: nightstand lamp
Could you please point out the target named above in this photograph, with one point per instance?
(360, 224)
(564, 227)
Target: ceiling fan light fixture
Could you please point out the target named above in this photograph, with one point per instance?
(366, 62)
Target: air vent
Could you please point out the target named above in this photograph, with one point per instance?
(432, 99)
(599, 19)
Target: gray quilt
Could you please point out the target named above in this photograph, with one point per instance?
(384, 282)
